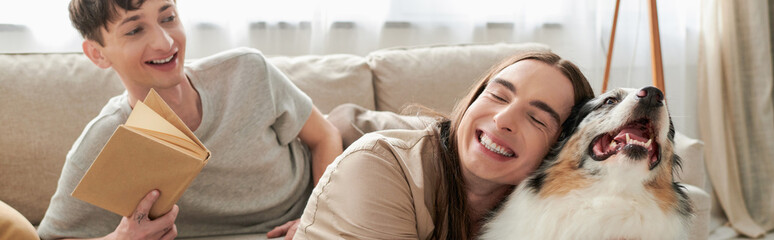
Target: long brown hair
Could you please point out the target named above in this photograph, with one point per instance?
(451, 218)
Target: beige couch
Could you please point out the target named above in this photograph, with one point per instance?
(47, 99)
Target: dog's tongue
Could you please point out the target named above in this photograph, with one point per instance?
(635, 132)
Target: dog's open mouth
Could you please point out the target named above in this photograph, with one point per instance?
(635, 139)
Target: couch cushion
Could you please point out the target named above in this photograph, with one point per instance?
(354, 121)
(46, 101)
(692, 175)
(691, 151)
(330, 80)
(435, 77)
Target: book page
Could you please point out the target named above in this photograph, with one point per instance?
(175, 141)
(170, 141)
(145, 118)
(157, 104)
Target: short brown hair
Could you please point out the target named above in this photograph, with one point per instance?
(88, 16)
(451, 216)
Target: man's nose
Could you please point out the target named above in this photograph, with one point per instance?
(162, 40)
(651, 96)
(505, 119)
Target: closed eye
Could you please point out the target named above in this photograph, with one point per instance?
(496, 97)
(537, 121)
(499, 98)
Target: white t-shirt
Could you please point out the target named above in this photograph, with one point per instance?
(258, 177)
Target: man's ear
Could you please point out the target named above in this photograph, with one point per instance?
(93, 50)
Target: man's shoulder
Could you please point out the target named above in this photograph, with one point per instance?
(395, 140)
(247, 55)
(100, 128)
(114, 113)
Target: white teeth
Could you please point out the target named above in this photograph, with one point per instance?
(162, 61)
(493, 146)
(634, 141)
(613, 144)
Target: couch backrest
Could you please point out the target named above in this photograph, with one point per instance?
(46, 100)
(330, 80)
(436, 76)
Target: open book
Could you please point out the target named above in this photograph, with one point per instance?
(153, 150)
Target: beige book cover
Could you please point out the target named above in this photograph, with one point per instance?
(154, 149)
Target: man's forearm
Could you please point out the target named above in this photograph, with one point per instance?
(323, 140)
(323, 155)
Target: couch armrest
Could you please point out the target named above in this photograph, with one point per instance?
(701, 210)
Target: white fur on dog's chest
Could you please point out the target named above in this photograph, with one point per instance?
(597, 212)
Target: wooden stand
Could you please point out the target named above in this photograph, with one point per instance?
(655, 47)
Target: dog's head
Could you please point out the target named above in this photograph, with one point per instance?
(629, 126)
(624, 132)
(613, 164)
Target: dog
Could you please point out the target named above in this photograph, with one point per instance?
(610, 176)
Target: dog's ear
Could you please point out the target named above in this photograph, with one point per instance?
(577, 114)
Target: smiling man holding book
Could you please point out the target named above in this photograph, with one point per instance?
(268, 142)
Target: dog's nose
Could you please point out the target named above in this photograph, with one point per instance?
(651, 96)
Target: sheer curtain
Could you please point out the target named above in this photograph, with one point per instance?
(736, 89)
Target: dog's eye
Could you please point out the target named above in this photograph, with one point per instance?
(610, 100)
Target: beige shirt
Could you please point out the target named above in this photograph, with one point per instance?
(382, 187)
